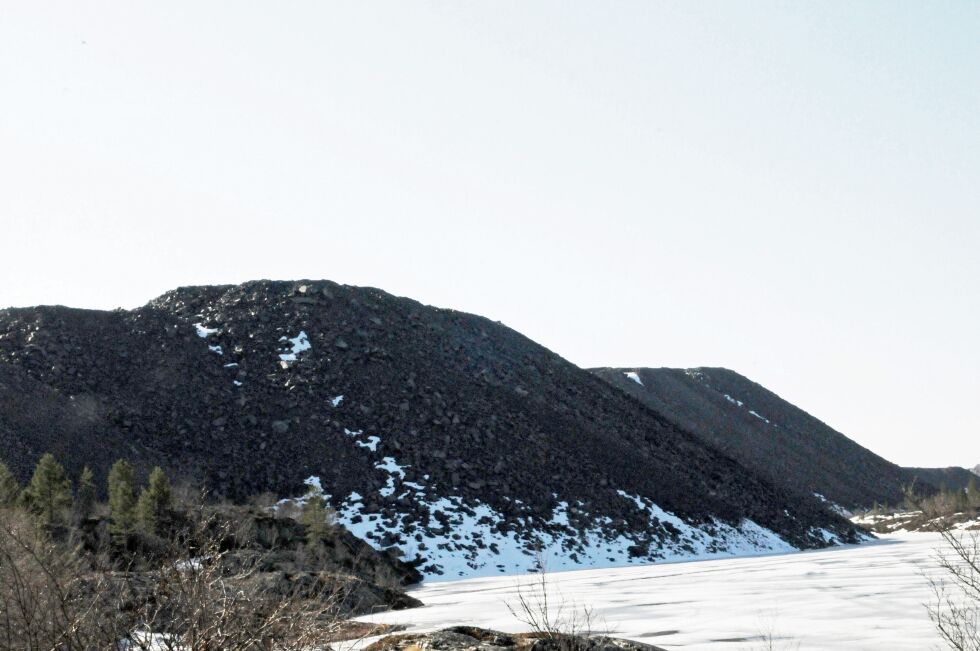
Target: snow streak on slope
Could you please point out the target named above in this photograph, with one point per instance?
(633, 375)
(854, 597)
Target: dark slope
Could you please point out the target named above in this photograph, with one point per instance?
(766, 433)
(951, 478)
(466, 407)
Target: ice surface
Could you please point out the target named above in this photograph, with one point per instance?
(854, 597)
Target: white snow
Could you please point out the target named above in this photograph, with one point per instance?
(143, 640)
(854, 597)
(232, 365)
(739, 403)
(203, 331)
(299, 344)
(733, 400)
(468, 538)
(757, 415)
(216, 349)
(313, 485)
(336, 400)
(388, 465)
(833, 506)
(694, 542)
(237, 383)
(371, 444)
(633, 375)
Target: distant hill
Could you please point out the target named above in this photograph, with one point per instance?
(449, 436)
(772, 436)
(952, 478)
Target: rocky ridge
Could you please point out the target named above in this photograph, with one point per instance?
(451, 437)
(774, 437)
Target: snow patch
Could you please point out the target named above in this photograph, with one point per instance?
(371, 444)
(298, 344)
(732, 400)
(336, 400)
(722, 540)
(757, 415)
(204, 332)
(389, 465)
(633, 375)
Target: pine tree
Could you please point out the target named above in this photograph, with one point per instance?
(314, 517)
(48, 494)
(972, 493)
(85, 495)
(155, 503)
(122, 498)
(9, 488)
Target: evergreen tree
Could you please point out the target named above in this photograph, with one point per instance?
(972, 493)
(122, 498)
(155, 503)
(48, 494)
(85, 495)
(314, 516)
(9, 488)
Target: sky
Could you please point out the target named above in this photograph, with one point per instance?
(790, 190)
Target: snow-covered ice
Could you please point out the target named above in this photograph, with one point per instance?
(854, 597)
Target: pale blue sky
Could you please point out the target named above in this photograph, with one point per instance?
(789, 190)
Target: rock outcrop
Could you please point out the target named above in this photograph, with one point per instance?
(470, 638)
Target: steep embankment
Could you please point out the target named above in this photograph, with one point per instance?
(448, 435)
(766, 433)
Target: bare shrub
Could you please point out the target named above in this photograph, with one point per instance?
(212, 596)
(541, 606)
(955, 609)
(204, 594)
(49, 600)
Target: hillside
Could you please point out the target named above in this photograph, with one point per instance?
(448, 435)
(952, 478)
(768, 434)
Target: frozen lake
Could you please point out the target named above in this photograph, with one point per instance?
(871, 596)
